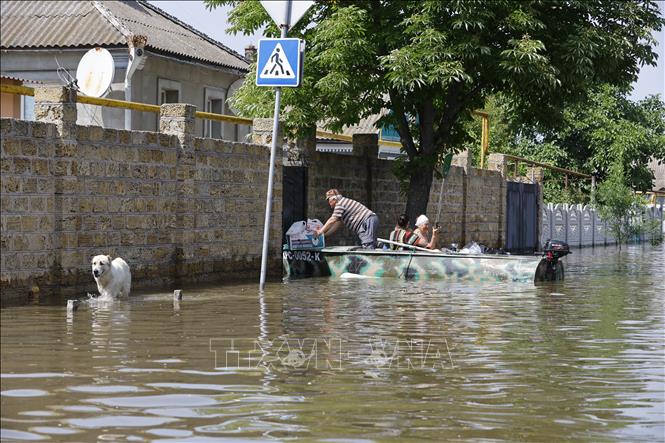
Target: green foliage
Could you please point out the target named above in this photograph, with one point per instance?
(433, 61)
(620, 207)
(604, 129)
(609, 129)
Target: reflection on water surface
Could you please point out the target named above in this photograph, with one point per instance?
(369, 360)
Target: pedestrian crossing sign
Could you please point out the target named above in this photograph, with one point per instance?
(279, 62)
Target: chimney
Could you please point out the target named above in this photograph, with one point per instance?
(250, 53)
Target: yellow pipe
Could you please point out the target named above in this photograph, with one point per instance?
(545, 165)
(16, 89)
(391, 144)
(332, 135)
(112, 103)
(224, 118)
(349, 138)
(484, 136)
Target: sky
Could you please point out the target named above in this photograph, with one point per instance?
(214, 24)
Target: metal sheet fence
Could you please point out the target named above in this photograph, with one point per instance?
(579, 225)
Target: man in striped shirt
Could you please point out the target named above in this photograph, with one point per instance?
(356, 216)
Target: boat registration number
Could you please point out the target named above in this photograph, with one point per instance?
(302, 255)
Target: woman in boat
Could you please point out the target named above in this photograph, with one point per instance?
(424, 231)
(402, 233)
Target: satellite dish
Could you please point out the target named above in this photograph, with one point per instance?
(95, 72)
(231, 92)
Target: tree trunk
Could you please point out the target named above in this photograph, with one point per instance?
(418, 195)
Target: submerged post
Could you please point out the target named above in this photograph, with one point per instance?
(271, 173)
(279, 67)
(271, 178)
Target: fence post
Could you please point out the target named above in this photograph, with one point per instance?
(262, 131)
(57, 105)
(178, 119)
(498, 162)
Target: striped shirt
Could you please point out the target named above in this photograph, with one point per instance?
(352, 213)
(402, 236)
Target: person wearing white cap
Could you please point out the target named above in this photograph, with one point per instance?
(424, 231)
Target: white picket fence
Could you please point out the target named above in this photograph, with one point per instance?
(579, 225)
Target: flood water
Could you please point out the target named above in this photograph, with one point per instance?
(351, 360)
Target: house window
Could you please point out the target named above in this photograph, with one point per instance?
(214, 102)
(27, 108)
(169, 91)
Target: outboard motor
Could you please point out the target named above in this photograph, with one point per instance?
(550, 268)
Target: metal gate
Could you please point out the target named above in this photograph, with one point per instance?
(522, 218)
(294, 196)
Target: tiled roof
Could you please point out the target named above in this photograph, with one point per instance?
(18, 79)
(41, 24)
(365, 126)
(61, 24)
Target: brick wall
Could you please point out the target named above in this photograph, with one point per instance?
(182, 209)
(178, 209)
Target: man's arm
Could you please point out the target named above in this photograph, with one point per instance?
(330, 225)
(335, 226)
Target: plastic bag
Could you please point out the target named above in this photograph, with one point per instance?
(297, 228)
(313, 224)
(301, 235)
(471, 248)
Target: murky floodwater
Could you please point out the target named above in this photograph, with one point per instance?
(355, 360)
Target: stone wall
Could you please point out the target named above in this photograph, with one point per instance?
(178, 209)
(182, 209)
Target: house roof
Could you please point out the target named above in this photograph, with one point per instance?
(11, 79)
(66, 24)
(366, 125)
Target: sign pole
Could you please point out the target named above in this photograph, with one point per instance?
(271, 173)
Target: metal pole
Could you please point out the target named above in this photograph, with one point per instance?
(271, 178)
(438, 212)
(271, 173)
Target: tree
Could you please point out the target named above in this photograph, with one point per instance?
(592, 136)
(620, 208)
(609, 129)
(431, 62)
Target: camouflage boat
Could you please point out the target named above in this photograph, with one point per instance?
(420, 265)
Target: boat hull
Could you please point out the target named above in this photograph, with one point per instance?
(409, 265)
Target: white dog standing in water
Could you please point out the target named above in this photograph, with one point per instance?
(113, 277)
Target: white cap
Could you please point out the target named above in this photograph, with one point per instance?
(422, 220)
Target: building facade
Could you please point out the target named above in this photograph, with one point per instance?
(158, 59)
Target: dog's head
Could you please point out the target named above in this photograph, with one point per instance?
(100, 264)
